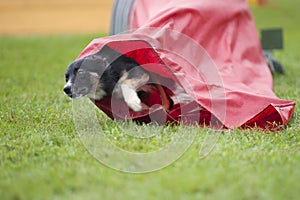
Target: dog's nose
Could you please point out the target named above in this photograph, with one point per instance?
(67, 90)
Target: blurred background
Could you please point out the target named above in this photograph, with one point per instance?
(25, 17)
(22, 17)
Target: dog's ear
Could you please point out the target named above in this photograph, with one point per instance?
(94, 63)
(99, 61)
(108, 54)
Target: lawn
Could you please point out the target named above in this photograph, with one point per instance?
(42, 156)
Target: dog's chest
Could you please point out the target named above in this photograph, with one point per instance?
(99, 94)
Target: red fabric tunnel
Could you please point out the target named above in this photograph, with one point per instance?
(211, 50)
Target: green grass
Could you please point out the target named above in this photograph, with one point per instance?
(42, 157)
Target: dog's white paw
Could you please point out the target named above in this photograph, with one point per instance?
(135, 104)
(131, 98)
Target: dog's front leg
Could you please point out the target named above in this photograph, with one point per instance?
(131, 98)
(130, 82)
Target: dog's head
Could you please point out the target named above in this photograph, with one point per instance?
(83, 76)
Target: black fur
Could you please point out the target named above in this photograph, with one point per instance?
(108, 64)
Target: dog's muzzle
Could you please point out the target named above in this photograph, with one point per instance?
(75, 93)
(68, 91)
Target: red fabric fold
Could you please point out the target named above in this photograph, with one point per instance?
(209, 48)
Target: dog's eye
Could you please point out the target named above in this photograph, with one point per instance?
(80, 71)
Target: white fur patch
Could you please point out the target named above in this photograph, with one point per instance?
(68, 84)
(99, 94)
(131, 98)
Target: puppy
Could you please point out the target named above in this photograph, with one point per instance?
(107, 72)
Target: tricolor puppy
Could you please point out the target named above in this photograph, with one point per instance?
(99, 75)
